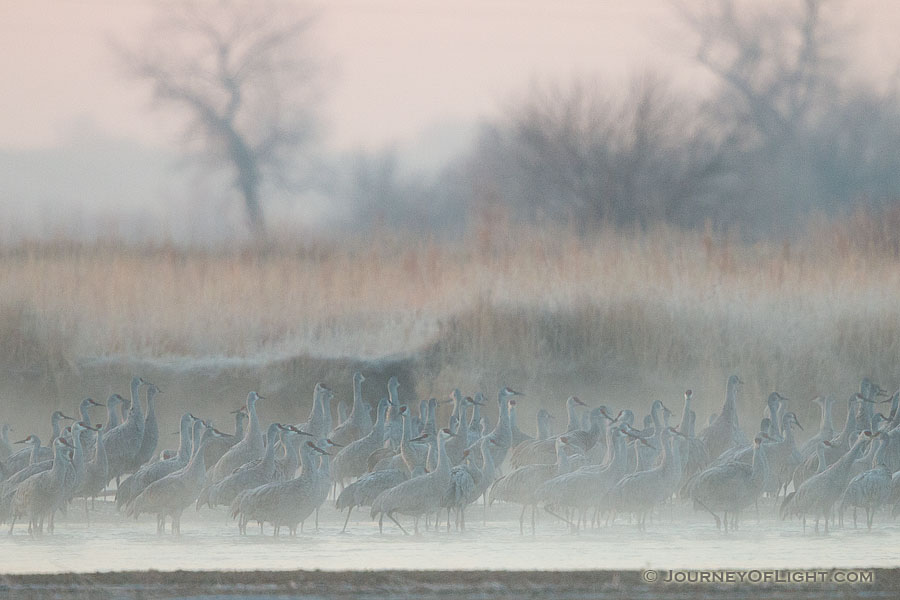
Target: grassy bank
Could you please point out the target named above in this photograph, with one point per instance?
(617, 317)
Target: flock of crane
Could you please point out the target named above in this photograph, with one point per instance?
(397, 461)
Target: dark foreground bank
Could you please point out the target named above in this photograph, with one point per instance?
(446, 584)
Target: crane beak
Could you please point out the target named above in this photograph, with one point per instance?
(300, 431)
(420, 438)
(334, 444)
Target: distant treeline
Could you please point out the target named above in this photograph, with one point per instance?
(788, 131)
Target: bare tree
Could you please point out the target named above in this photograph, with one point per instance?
(245, 85)
(778, 62)
(806, 135)
(591, 156)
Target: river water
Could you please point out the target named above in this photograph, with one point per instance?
(676, 539)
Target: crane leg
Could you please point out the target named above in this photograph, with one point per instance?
(522, 521)
(391, 517)
(347, 520)
(533, 509)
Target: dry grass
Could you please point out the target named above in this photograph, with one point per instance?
(648, 310)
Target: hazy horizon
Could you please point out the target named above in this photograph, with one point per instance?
(83, 151)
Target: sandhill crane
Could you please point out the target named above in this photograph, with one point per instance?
(584, 488)
(113, 418)
(640, 492)
(543, 419)
(469, 482)
(542, 451)
(502, 433)
(84, 408)
(249, 448)
(572, 404)
(473, 432)
(170, 495)
(95, 473)
(28, 470)
(151, 431)
(147, 474)
(837, 448)
(518, 436)
(364, 490)
(816, 496)
(394, 424)
(457, 444)
(39, 495)
(282, 503)
(725, 432)
(783, 455)
(697, 456)
(870, 489)
(124, 441)
(358, 422)
(417, 496)
(218, 446)
(733, 486)
(826, 426)
(519, 485)
(351, 461)
(247, 476)
(315, 422)
(26, 456)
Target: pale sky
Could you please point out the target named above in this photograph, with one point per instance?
(395, 68)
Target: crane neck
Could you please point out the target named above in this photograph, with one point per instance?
(99, 447)
(54, 426)
(83, 409)
(253, 429)
(184, 441)
(572, 422)
(359, 413)
(849, 424)
(685, 415)
(820, 453)
(378, 428)
(196, 438)
(271, 439)
(760, 461)
(487, 463)
(112, 415)
(58, 470)
(476, 416)
(443, 463)
(135, 412)
(729, 409)
(562, 460)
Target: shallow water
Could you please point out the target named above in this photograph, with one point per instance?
(676, 539)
